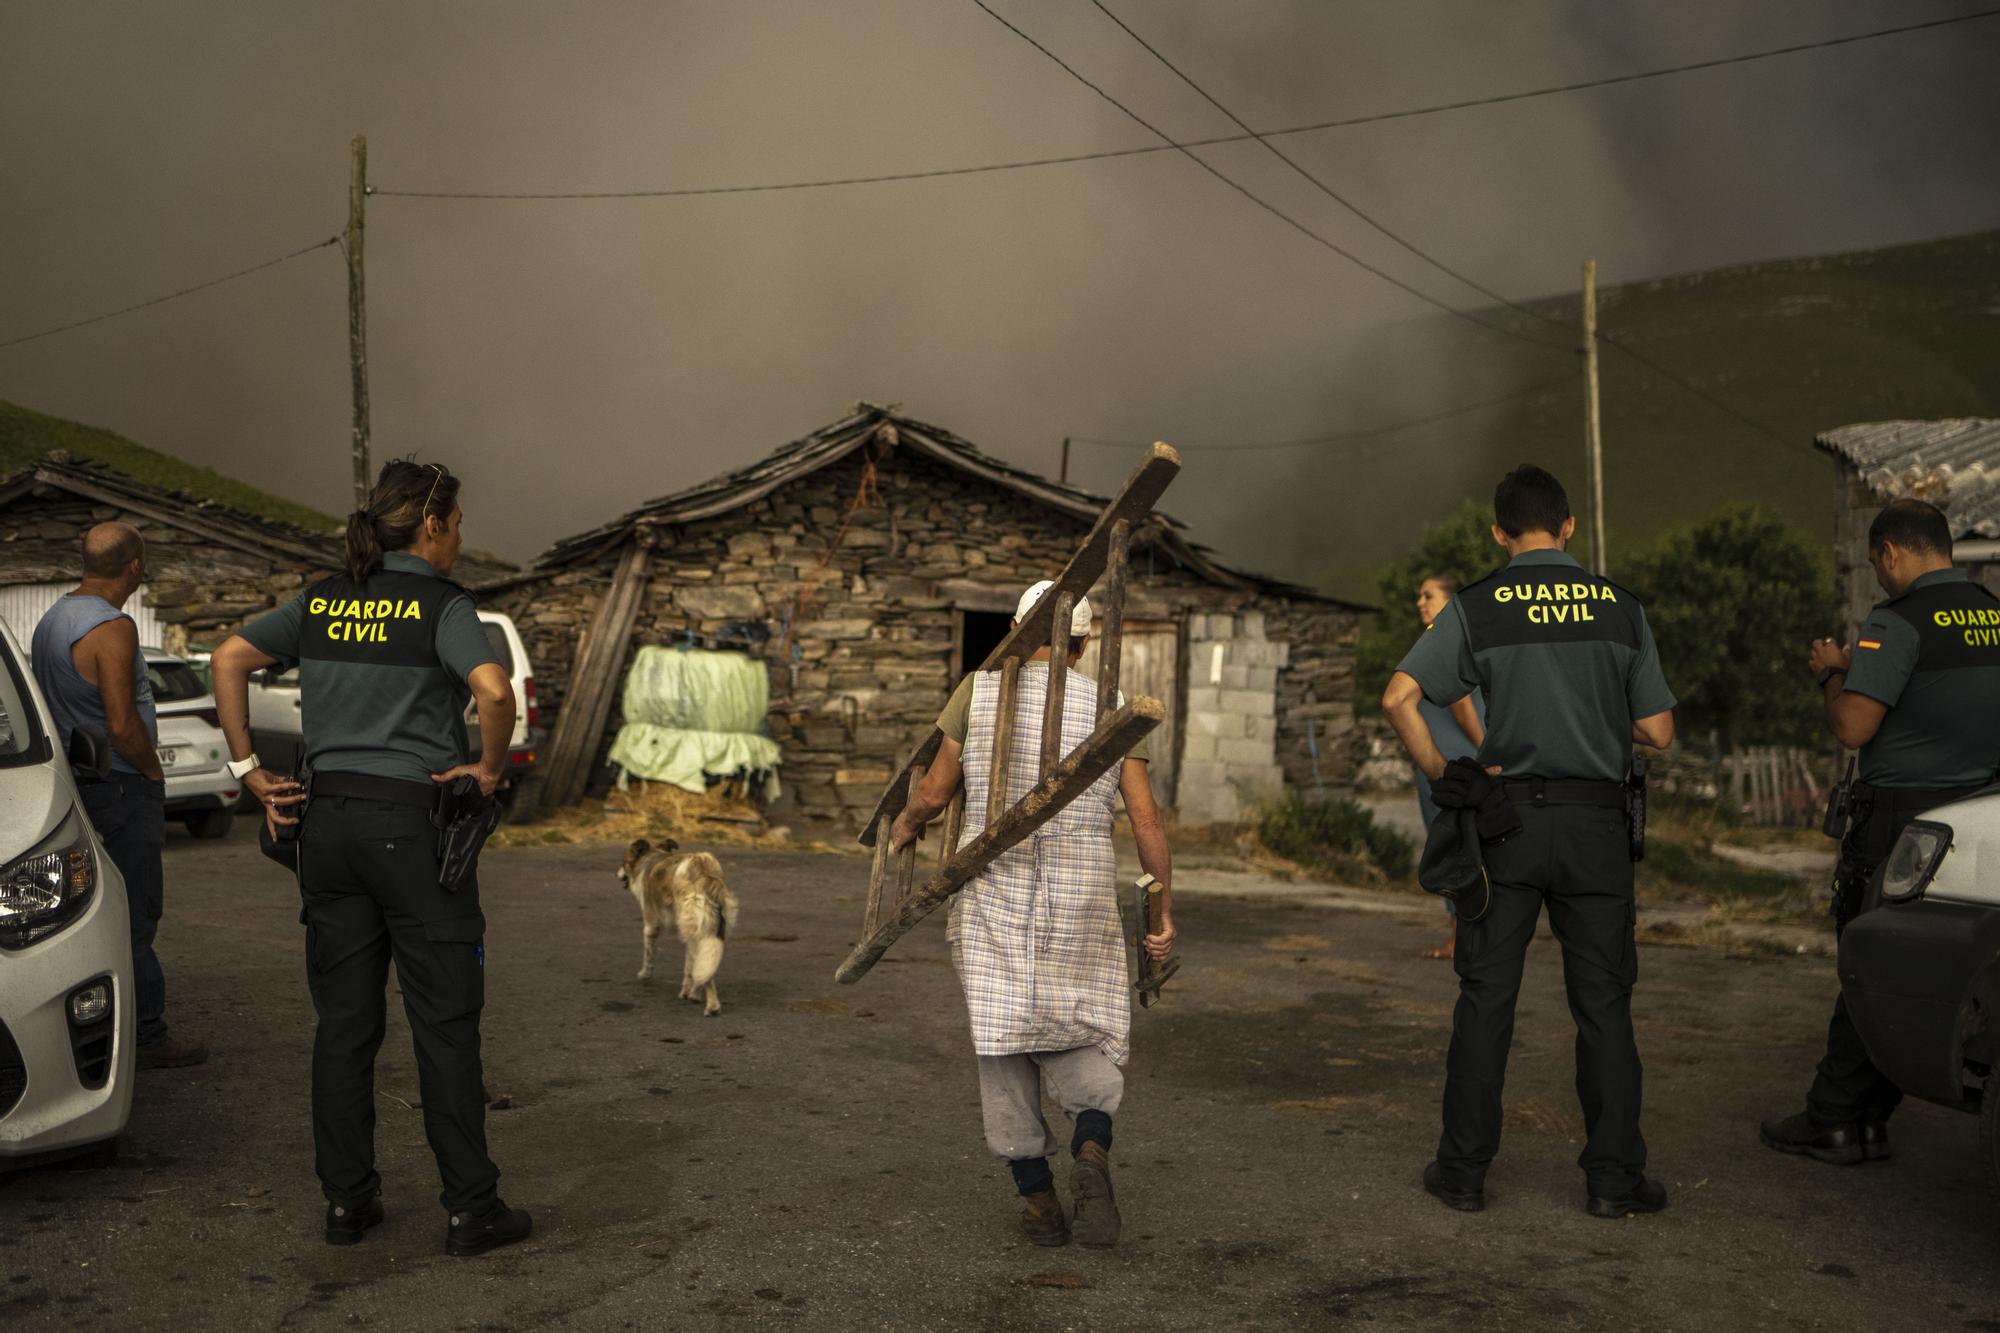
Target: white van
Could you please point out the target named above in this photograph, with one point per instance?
(67, 1020)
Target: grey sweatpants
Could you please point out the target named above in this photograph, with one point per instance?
(1010, 1095)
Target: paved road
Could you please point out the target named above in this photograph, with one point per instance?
(813, 1156)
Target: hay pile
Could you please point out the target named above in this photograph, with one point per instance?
(723, 815)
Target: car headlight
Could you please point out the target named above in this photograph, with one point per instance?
(1913, 860)
(45, 890)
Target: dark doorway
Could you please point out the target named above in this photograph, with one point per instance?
(979, 634)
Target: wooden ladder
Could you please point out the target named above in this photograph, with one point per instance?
(890, 912)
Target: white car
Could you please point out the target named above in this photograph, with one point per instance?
(67, 1021)
(1921, 973)
(200, 792)
(276, 735)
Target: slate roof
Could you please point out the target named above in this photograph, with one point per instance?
(1955, 464)
(868, 422)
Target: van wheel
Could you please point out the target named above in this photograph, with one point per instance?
(211, 823)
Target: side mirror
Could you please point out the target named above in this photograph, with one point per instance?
(90, 753)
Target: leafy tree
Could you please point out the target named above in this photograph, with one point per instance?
(1734, 601)
(1462, 545)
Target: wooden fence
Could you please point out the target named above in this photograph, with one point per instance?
(1778, 786)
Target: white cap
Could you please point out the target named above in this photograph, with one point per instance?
(1079, 618)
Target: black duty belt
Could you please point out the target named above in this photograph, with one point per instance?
(1564, 791)
(368, 787)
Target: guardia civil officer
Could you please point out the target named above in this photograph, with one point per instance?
(389, 654)
(1919, 696)
(1571, 678)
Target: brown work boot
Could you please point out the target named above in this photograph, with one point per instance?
(1042, 1219)
(1097, 1221)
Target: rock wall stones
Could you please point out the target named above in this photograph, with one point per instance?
(853, 600)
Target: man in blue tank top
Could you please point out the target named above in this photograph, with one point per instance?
(88, 662)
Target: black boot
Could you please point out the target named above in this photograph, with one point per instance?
(1797, 1134)
(346, 1222)
(1875, 1140)
(494, 1225)
(1451, 1196)
(1648, 1196)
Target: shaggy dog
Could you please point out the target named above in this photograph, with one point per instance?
(704, 911)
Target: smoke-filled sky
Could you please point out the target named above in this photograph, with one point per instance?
(573, 358)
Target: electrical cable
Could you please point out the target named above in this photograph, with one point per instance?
(171, 296)
(1369, 432)
(1258, 200)
(1344, 122)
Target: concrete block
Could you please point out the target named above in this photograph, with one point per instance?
(1203, 698)
(1261, 729)
(1250, 703)
(1253, 624)
(1197, 627)
(1243, 751)
(1210, 724)
(1260, 678)
(1200, 776)
(1284, 654)
(1238, 677)
(1197, 748)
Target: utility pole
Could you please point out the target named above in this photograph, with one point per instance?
(1063, 476)
(1593, 427)
(357, 312)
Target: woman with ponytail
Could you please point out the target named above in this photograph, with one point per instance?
(389, 653)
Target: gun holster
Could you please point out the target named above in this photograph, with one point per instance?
(1635, 807)
(1839, 805)
(464, 818)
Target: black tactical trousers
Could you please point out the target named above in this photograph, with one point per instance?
(368, 873)
(1578, 860)
(1847, 1087)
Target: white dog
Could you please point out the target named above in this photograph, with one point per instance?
(704, 911)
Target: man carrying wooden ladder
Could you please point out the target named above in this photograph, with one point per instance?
(1036, 938)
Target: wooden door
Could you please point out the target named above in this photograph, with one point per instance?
(1150, 664)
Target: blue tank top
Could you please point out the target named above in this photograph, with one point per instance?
(73, 701)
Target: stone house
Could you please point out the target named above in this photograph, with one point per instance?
(1954, 464)
(211, 568)
(875, 561)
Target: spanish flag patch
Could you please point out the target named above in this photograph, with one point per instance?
(1869, 643)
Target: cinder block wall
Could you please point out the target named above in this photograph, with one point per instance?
(1229, 759)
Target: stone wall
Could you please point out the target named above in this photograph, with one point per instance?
(201, 589)
(855, 610)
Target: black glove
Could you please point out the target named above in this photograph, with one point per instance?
(1465, 785)
(1496, 819)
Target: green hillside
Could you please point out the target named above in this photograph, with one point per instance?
(1800, 345)
(25, 436)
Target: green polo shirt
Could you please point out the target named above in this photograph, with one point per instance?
(1566, 661)
(383, 669)
(1932, 656)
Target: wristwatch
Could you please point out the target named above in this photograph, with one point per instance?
(238, 768)
(1830, 673)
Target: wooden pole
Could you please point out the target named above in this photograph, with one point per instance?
(357, 312)
(1111, 630)
(1052, 704)
(1003, 738)
(1592, 423)
(1063, 476)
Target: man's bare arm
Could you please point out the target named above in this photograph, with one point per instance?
(1400, 702)
(1656, 731)
(1149, 830)
(933, 794)
(111, 650)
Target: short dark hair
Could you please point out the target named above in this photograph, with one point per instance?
(108, 548)
(1529, 499)
(1451, 583)
(1917, 527)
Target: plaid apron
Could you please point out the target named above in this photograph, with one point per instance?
(1037, 938)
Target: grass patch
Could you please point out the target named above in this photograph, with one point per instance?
(1686, 868)
(1339, 836)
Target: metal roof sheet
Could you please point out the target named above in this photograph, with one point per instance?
(1954, 464)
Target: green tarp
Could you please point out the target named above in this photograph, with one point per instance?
(692, 714)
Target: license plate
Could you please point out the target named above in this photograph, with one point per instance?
(169, 756)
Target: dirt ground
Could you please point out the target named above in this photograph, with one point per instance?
(813, 1156)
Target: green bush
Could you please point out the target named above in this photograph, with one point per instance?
(1334, 834)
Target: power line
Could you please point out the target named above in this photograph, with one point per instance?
(1315, 181)
(1701, 393)
(1344, 122)
(1258, 200)
(1369, 432)
(173, 296)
